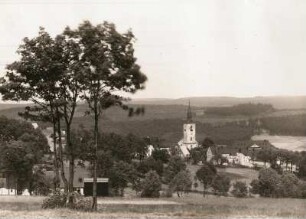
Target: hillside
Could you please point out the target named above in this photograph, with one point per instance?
(165, 122)
(278, 102)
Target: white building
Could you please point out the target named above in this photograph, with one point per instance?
(239, 159)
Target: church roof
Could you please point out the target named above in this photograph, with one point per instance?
(189, 114)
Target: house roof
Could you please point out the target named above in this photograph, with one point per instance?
(98, 179)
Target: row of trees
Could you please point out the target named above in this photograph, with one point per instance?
(248, 109)
(272, 184)
(90, 63)
(286, 125)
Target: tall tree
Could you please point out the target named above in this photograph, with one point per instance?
(206, 175)
(35, 78)
(107, 65)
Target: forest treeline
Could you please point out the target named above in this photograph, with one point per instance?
(248, 109)
(286, 125)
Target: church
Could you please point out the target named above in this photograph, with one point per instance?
(189, 135)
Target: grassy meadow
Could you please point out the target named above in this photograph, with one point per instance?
(189, 206)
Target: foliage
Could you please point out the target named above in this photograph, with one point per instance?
(151, 185)
(181, 183)
(56, 200)
(207, 142)
(106, 64)
(21, 147)
(286, 125)
(176, 164)
(267, 155)
(240, 189)
(162, 155)
(221, 184)
(302, 166)
(288, 186)
(120, 175)
(272, 184)
(206, 175)
(247, 109)
(268, 182)
(39, 183)
(302, 190)
(79, 202)
(150, 164)
(255, 186)
(198, 154)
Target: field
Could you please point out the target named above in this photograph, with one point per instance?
(190, 206)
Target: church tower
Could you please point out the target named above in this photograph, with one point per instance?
(189, 135)
(189, 129)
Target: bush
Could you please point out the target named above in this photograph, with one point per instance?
(269, 181)
(59, 200)
(302, 190)
(151, 185)
(82, 204)
(255, 186)
(221, 185)
(240, 190)
(288, 186)
(56, 200)
(271, 184)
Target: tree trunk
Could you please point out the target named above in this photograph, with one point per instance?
(71, 161)
(55, 160)
(96, 133)
(60, 153)
(204, 190)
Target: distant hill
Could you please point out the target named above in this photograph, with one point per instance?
(278, 102)
(165, 121)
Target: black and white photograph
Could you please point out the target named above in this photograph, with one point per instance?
(153, 109)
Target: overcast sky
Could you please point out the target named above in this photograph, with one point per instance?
(186, 48)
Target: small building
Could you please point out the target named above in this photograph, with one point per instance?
(102, 187)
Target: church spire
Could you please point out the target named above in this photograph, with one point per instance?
(189, 114)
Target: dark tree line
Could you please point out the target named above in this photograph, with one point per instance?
(286, 125)
(248, 109)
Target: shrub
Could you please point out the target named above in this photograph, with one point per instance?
(255, 186)
(288, 186)
(56, 200)
(240, 189)
(221, 185)
(269, 181)
(82, 204)
(151, 185)
(302, 190)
